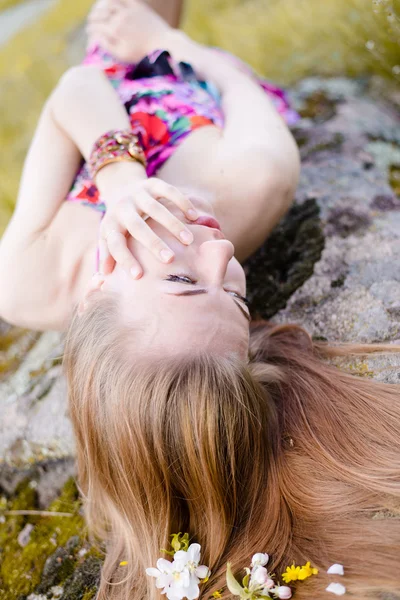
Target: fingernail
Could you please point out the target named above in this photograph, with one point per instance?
(136, 272)
(186, 237)
(192, 213)
(166, 255)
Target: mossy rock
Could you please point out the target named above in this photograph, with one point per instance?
(56, 553)
(285, 261)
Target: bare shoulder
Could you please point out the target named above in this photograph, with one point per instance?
(42, 275)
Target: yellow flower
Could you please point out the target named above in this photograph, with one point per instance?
(291, 574)
(123, 563)
(306, 571)
(217, 594)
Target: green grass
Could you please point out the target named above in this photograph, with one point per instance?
(30, 65)
(4, 4)
(289, 39)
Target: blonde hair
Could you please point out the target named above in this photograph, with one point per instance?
(286, 455)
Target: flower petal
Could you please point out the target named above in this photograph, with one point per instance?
(192, 591)
(284, 592)
(336, 569)
(153, 572)
(164, 580)
(194, 553)
(175, 594)
(201, 571)
(164, 565)
(181, 559)
(260, 575)
(181, 554)
(269, 584)
(260, 558)
(185, 578)
(233, 585)
(336, 588)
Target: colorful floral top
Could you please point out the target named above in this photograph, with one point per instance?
(165, 101)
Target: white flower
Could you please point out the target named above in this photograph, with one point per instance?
(270, 583)
(164, 573)
(336, 588)
(283, 592)
(181, 577)
(259, 559)
(336, 569)
(259, 575)
(190, 559)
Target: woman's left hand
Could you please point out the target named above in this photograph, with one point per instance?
(127, 29)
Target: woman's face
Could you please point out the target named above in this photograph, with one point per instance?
(192, 303)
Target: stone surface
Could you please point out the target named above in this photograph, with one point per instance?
(34, 425)
(332, 265)
(353, 293)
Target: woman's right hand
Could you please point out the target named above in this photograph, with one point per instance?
(125, 215)
(127, 29)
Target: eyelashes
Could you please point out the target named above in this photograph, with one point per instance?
(180, 278)
(190, 281)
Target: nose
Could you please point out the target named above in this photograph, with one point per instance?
(214, 259)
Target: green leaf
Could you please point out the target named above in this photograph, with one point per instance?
(185, 541)
(170, 552)
(175, 543)
(233, 585)
(245, 580)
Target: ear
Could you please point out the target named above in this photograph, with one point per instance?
(93, 285)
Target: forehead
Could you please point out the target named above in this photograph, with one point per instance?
(170, 324)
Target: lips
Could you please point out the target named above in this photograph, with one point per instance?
(207, 222)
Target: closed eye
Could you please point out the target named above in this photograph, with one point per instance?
(180, 278)
(190, 281)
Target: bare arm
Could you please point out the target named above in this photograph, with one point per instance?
(82, 107)
(253, 164)
(70, 122)
(255, 159)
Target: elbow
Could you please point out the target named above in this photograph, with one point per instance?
(284, 167)
(276, 175)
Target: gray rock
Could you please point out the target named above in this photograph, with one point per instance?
(354, 291)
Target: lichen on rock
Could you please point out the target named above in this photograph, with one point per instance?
(49, 557)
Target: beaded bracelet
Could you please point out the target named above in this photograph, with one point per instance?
(114, 146)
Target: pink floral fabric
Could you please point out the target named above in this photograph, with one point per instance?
(165, 101)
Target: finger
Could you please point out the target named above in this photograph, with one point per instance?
(93, 283)
(99, 6)
(102, 12)
(139, 230)
(161, 189)
(162, 215)
(107, 261)
(102, 32)
(99, 16)
(117, 246)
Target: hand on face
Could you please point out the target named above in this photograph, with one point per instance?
(195, 303)
(125, 28)
(125, 216)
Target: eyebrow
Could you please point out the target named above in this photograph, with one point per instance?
(202, 291)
